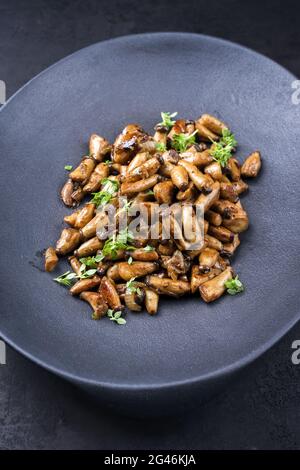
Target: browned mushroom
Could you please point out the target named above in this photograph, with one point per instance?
(83, 171)
(88, 248)
(66, 193)
(69, 239)
(251, 165)
(151, 301)
(98, 147)
(163, 192)
(201, 181)
(51, 259)
(108, 291)
(214, 288)
(136, 269)
(100, 172)
(139, 186)
(180, 177)
(97, 303)
(168, 286)
(84, 285)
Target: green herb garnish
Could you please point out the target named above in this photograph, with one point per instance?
(116, 242)
(66, 278)
(167, 120)
(91, 261)
(130, 286)
(116, 317)
(68, 167)
(107, 162)
(181, 142)
(149, 193)
(221, 151)
(108, 191)
(234, 286)
(148, 248)
(160, 146)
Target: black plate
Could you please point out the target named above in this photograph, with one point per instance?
(46, 125)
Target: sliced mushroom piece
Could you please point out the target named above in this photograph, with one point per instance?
(205, 133)
(177, 264)
(233, 168)
(213, 218)
(90, 229)
(126, 143)
(240, 186)
(212, 123)
(94, 183)
(236, 221)
(189, 195)
(196, 157)
(201, 181)
(75, 264)
(164, 192)
(251, 165)
(136, 269)
(139, 186)
(213, 242)
(88, 248)
(83, 171)
(214, 288)
(51, 259)
(160, 137)
(178, 128)
(98, 147)
(147, 169)
(151, 301)
(198, 278)
(214, 170)
(168, 286)
(140, 254)
(134, 300)
(69, 239)
(180, 177)
(102, 267)
(109, 292)
(147, 144)
(166, 249)
(221, 233)
(66, 193)
(97, 303)
(113, 272)
(207, 200)
(137, 161)
(227, 191)
(230, 248)
(84, 285)
(207, 259)
(78, 194)
(85, 215)
(71, 218)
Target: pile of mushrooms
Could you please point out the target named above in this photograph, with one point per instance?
(149, 170)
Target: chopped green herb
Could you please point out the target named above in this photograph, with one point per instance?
(130, 286)
(161, 147)
(221, 151)
(68, 167)
(234, 286)
(116, 317)
(149, 193)
(120, 241)
(87, 274)
(149, 248)
(66, 278)
(108, 162)
(91, 261)
(130, 260)
(108, 191)
(167, 120)
(181, 142)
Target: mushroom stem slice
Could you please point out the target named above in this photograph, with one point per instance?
(151, 301)
(97, 303)
(69, 239)
(214, 288)
(168, 286)
(51, 259)
(251, 165)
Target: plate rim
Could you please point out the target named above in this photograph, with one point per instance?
(218, 373)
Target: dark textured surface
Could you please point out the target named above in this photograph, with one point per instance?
(41, 411)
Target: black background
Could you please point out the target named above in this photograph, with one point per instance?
(261, 410)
